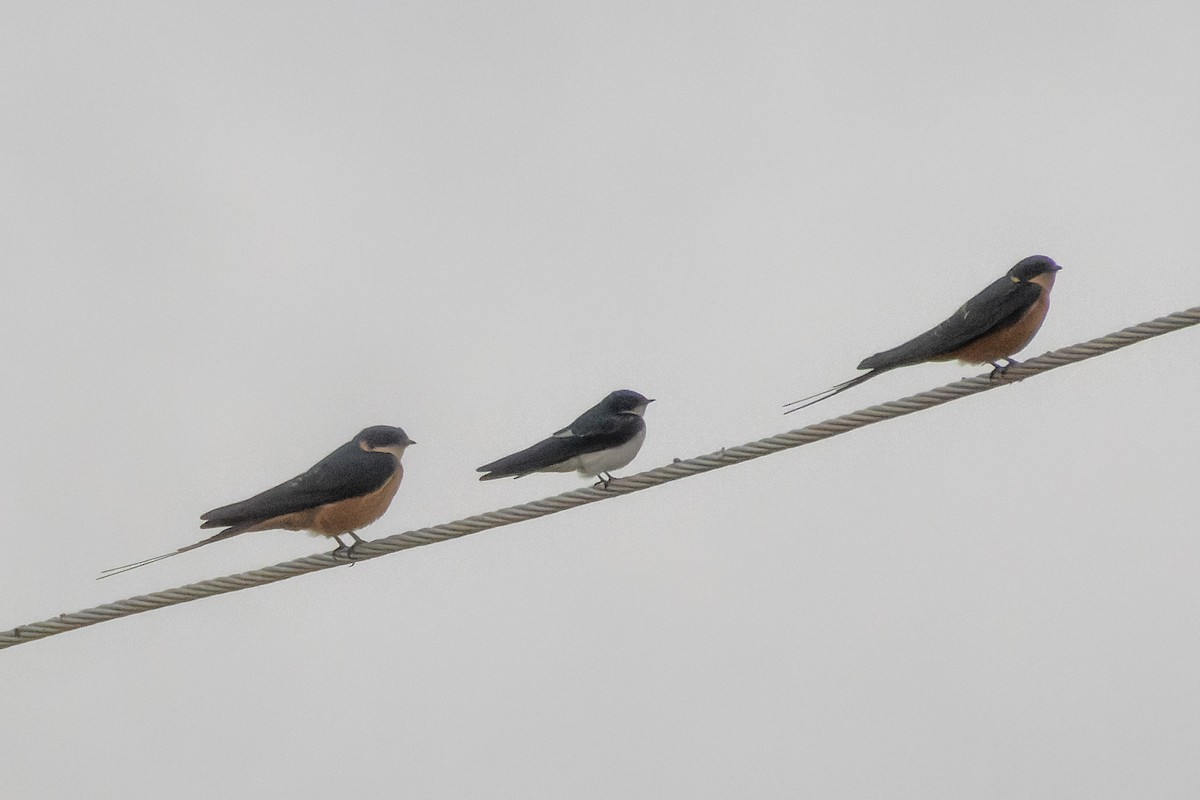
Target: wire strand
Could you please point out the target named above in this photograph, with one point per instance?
(621, 486)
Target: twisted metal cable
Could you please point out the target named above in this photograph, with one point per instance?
(634, 483)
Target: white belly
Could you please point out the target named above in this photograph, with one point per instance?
(592, 464)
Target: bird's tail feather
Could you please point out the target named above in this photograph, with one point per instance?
(492, 476)
(225, 534)
(545, 453)
(813, 399)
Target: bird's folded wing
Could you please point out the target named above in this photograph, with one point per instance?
(996, 307)
(346, 472)
(567, 444)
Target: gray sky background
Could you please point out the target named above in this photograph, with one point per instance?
(236, 234)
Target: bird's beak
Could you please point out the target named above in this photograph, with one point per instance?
(651, 400)
(1056, 268)
(410, 441)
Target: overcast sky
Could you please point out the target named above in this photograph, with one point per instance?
(234, 234)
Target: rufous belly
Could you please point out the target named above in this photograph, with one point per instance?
(343, 516)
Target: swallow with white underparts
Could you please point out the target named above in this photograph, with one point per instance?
(345, 491)
(990, 327)
(604, 438)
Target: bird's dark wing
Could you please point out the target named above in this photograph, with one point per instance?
(347, 472)
(999, 305)
(597, 421)
(599, 434)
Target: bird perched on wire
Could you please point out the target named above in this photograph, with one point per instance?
(990, 327)
(605, 437)
(347, 490)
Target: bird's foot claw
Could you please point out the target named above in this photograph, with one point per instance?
(998, 374)
(604, 481)
(346, 551)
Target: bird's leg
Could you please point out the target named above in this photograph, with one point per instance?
(999, 370)
(357, 541)
(342, 551)
(605, 479)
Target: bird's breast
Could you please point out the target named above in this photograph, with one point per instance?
(357, 512)
(1004, 342)
(341, 516)
(591, 464)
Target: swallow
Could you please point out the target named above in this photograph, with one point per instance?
(990, 327)
(605, 437)
(347, 490)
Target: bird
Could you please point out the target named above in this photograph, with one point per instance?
(605, 437)
(990, 327)
(345, 491)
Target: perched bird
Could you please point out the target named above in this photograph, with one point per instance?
(347, 490)
(991, 326)
(605, 437)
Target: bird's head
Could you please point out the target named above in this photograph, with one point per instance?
(384, 438)
(627, 401)
(1027, 269)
